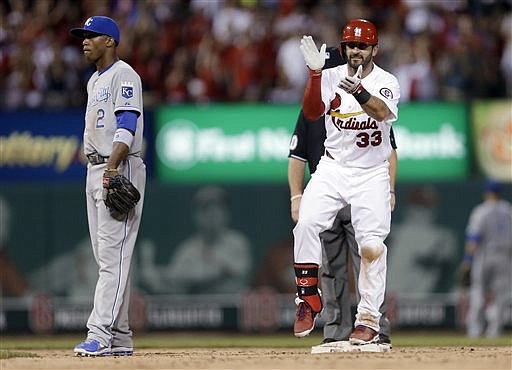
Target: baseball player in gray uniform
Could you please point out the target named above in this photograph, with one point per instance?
(360, 101)
(489, 255)
(113, 143)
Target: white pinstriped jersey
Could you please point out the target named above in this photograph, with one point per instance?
(113, 90)
(353, 137)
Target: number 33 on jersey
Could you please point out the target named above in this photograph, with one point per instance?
(353, 137)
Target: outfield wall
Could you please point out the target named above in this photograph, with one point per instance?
(49, 245)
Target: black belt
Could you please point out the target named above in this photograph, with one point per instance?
(95, 158)
(328, 154)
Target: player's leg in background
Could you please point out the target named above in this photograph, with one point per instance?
(385, 324)
(475, 319)
(334, 281)
(499, 283)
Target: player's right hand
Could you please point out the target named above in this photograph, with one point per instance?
(294, 207)
(315, 59)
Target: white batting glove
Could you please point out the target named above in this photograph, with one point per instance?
(351, 83)
(315, 59)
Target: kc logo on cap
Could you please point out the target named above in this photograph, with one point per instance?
(100, 25)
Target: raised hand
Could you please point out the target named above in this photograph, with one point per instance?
(314, 58)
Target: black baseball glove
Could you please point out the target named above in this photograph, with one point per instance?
(121, 196)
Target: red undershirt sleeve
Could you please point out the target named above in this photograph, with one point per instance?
(312, 103)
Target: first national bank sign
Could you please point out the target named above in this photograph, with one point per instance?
(250, 142)
(234, 143)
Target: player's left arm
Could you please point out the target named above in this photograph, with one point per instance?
(376, 108)
(381, 103)
(119, 152)
(127, 91)
(123, 139)
(393, 167)
(473, 238)
(296, 170)
(464, 269)
(297, 158)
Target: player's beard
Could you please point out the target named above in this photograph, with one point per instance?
(355, 64)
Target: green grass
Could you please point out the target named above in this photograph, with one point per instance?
(170, 340)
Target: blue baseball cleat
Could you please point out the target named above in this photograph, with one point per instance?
(121, 351)
(91, 347)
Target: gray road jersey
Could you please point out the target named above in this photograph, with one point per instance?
(116, 89)
(492, 222)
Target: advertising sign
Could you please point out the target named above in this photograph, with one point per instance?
(47, 145)
(46, 314)
(492, 138)
(36, 145)
(237, 143)
(432, 141)
(234, 143)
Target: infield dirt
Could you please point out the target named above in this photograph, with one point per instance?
(275, 358)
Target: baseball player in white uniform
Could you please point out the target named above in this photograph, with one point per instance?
(112, 143)
(360, 101)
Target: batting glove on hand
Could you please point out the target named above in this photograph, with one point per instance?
(315, 59)
(352, 83)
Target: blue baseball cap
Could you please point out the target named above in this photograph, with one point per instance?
(100, 25)
(492, 186)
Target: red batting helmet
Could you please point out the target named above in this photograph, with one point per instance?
(360, 30)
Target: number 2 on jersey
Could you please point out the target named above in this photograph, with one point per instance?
(366, 139)
(100, 114)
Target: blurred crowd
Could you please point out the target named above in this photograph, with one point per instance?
(248, 50)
